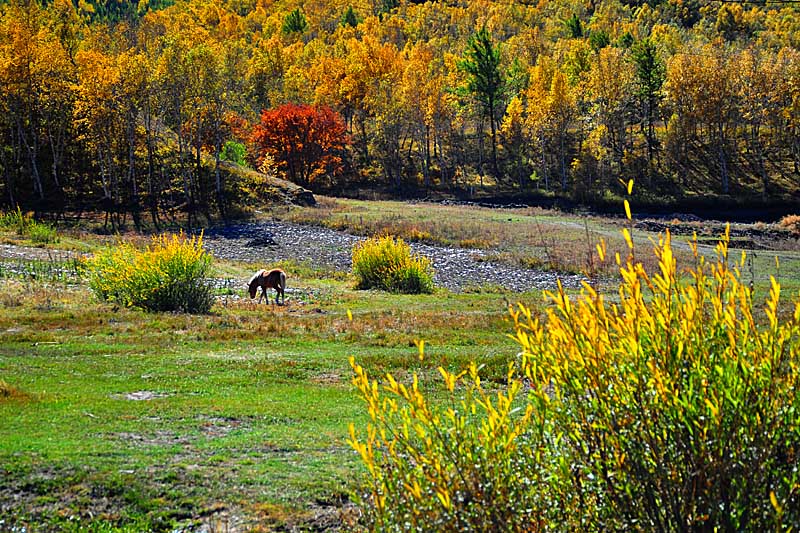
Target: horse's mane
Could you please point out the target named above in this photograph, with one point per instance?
(255, 277)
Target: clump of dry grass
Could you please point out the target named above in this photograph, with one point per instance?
(477, 242)
(9, 392)
(11, 299)
(791, 223)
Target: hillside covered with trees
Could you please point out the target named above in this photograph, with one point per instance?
(134, 108)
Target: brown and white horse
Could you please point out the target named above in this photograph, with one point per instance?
(268, 279)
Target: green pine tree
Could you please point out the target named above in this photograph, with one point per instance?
(487, 82)
(295, 22)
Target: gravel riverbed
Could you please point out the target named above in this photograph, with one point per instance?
(457, 269)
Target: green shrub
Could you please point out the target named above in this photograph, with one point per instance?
(234, 152)
(672, 409)
(387, 263)
(168, 276)
(26, 226)
(42, 233)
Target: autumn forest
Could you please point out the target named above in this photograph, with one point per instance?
(144, 110)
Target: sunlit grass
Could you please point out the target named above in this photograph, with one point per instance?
(243, 411)
(536, 238)
(249, 405)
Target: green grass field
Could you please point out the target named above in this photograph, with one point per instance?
(115, 419)
(121, 417)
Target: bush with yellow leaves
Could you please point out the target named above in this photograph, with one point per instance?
(673, 405)
(458, 465)
(387, 263)
(168, 276)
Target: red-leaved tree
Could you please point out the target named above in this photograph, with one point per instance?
(305, 142)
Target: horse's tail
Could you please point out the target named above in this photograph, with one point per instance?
(282, 279)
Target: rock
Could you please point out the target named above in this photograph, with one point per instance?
(303, 197)
(264, 240)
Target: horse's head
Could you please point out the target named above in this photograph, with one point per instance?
(255, 281)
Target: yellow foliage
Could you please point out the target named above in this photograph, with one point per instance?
(387, 263)
(168, 275)
(673, 353)
(673, 382)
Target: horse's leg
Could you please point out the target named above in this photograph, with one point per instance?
(263, 295)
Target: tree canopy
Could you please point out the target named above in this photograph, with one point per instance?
(129, 109)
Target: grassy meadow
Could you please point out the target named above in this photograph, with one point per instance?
(116, 419)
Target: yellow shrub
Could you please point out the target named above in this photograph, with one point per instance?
(671, 408)
(464, 464)
(168, 276)
(387, 263)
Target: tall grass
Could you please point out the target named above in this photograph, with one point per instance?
(467, 463)
(168, 276)
(25, 225)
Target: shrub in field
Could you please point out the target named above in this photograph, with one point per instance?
(463, 464)
(675, 408)
(168, 276)
(26, 226)
(676, 411)
(387, 263)
(41, 233)
(791, 223)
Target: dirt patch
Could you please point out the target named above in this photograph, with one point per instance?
(743, 236)
(142, 395)
(219, 426)
(158, 438)
(331, 378)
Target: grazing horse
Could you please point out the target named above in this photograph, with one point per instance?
(268, 279)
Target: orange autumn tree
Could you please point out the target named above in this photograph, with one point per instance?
(305, 142)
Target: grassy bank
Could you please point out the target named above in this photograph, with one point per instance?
(117, 419)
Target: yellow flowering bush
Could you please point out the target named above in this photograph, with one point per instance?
(674, 408)
(673, 405)
(464, 464)
(167, 276)
(387, 263)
